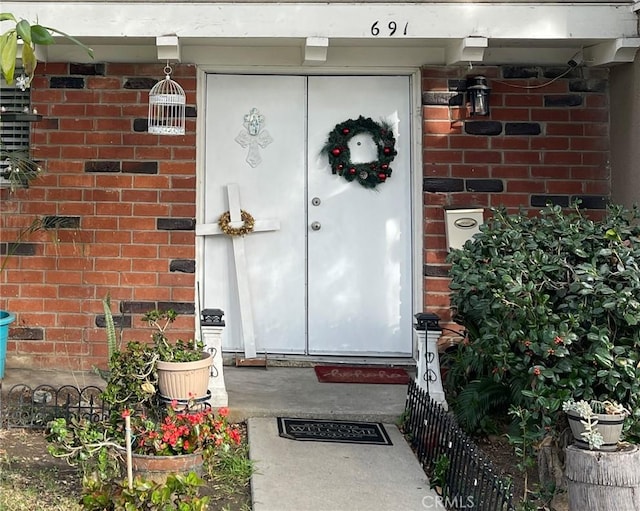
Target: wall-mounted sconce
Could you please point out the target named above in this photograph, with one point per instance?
(478, 93)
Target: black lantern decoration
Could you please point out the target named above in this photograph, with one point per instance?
(478, 93)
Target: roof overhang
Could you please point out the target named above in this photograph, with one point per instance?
(339, 33)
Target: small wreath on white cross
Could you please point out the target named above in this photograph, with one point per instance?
(248, 222)
(367, 174)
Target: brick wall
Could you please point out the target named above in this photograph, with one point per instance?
(127, 199)
(546, 140)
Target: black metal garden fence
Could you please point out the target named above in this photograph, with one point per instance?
(32, 408)
(468, 478)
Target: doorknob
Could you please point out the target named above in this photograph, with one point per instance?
(315, 226)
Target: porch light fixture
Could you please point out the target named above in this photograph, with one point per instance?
(478, 93)
(167, 104)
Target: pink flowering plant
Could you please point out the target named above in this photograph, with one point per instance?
(183, 432)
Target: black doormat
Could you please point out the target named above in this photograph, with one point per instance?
(333, 431)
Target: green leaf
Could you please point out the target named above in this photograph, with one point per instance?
(41, 35)
(73, 40)
(23, 29)
(7, 16)
(9, 43)
(29, 61)
(603, 360)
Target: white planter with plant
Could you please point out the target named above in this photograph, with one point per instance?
(183, 367)
(596, 425)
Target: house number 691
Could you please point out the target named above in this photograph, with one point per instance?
(392, 28)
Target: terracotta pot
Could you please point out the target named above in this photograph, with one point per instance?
(184, 380)
(158, 468)
(609, 426)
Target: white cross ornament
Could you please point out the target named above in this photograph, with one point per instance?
(239, 255)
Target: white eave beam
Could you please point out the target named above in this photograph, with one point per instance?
(168, 47)
(616, 51)
(423, 20)
(463, 51)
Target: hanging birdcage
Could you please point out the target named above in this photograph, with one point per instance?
(167, 102)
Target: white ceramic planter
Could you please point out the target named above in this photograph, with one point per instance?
(184, 380)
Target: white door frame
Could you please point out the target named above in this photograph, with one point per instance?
(416, 158)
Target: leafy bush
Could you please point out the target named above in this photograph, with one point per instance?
(551, 305)
(180, 492)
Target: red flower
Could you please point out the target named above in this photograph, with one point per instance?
(183, 432)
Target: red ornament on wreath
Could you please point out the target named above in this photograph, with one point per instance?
(367, 174)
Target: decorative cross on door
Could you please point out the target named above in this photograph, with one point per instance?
(239, 255)
(253, 136)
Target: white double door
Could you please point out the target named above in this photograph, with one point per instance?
(335, 278)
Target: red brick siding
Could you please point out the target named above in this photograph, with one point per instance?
(569, 157)
(117, 249)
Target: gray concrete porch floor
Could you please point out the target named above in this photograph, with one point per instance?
(306, 476)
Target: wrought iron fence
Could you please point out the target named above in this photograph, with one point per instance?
(32, 408)
(469, 479)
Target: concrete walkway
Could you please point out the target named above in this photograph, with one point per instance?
(320, 476)
(301, 475)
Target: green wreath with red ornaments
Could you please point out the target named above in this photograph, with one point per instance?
(368, 174)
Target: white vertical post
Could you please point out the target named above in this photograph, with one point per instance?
(212, 325)
(428, 375)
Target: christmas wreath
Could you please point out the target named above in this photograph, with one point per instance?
(367, 174)
(247, 224)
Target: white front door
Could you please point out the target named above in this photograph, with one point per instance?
(343, 287)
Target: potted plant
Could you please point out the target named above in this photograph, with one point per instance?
(173, 443)
(596, 425)
(183, 367)
(179, 442)
(169, 443)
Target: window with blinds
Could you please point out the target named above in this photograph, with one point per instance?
(15, 110)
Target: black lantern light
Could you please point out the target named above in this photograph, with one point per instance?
(478, 93)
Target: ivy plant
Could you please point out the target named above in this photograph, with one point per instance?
(551, 306)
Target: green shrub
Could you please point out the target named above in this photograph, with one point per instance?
(179, 492)
(551, 305)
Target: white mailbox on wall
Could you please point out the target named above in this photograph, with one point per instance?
(461, 225)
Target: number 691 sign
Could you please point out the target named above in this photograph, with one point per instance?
(391, 29)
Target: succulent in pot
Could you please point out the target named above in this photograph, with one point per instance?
(596, 425)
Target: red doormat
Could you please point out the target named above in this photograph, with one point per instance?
(357, 374)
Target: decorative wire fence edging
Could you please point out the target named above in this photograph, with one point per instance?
(33, 408)
(469, 479)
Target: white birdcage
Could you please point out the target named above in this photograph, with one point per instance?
(167, 103)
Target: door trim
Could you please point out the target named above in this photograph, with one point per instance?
(416, 158)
